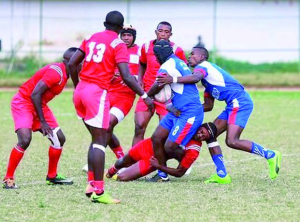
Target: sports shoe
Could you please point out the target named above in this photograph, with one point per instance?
(157, 179)
(215, 178)
(89, 190)
(9, 184)
(274, 165)
(59, 179)
(104, 198)
(85, 168)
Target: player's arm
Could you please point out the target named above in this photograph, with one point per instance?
(208, 104)
(73, 65)
(36, 97)
(173, 110)
(188, 79)
(141, 73)
(132, 83)
(178, 172)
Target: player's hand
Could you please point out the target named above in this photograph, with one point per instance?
(149, 102)
(154, 162)
(173, 110)
(164, 79)
(46, 129)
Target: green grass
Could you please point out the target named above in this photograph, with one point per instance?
(251, 196)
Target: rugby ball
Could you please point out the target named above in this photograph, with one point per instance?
(164, 95)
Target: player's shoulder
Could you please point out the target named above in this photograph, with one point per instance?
(149, 44)
(204, 64)
(57, 67)
(176, 48)
(170, 63)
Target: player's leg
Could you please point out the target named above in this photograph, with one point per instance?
(113, 141)
(121, 105)
(16, 155)
(94, 109)
(221, 176)
(123, 162)
(141, 119)
(22, 112)
(57, 141)
(237, 120)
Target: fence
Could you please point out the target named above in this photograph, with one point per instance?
(250, 30)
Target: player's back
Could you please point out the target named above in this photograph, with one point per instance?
(103, 50)
(184, 95)
(53, 75)
(218, 83)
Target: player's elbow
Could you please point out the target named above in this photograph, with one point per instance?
(179, 173)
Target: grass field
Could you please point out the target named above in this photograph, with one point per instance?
(251, 196)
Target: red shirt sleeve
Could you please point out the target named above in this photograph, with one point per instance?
(202, 70)
(52, 76)
(143, 57)
(180, 54)
(121, 54)
(206, 94)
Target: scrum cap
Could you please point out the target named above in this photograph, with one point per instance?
(127, 28)
(162, 50)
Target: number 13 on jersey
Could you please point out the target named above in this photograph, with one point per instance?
(99, 53)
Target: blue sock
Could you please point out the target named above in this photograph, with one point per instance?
(261, 151)
(162, 174)
(220, 167)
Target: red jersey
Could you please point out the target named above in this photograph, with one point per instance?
(53, 75)
(148, 58)
(103, 50)
(117, 83)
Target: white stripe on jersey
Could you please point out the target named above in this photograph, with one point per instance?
(214, 77)
(235, 103)
(59, 71)
(170, 66)
(116, 42)
(194, 147)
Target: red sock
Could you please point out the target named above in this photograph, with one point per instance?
(54, 155)
(118, 152)
(112, 171)
(15, 158)
(99, 187)
(90, 176)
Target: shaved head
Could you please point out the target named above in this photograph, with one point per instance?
(69, 53)
(114, 20)
(203, 51)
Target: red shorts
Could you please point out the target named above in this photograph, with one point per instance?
(24, 114)
(142, 155)
(92, 104)
(160, 108)
(120, 104)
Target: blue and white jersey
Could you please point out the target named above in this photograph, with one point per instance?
(218, 83)
(183, 94)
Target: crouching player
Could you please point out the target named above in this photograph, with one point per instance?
(140, 159)
(31, 113)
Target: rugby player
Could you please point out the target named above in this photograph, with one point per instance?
(146, 77)
(140, 160)
(173, 130)
(223, 87)
(121, 97)
(31, 113)
(101, 53)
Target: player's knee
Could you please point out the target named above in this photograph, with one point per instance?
(62, 139)
(24, 141)
(139, 129)
(232, 143)
(58, 139)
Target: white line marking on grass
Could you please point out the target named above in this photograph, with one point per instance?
(201, 166)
